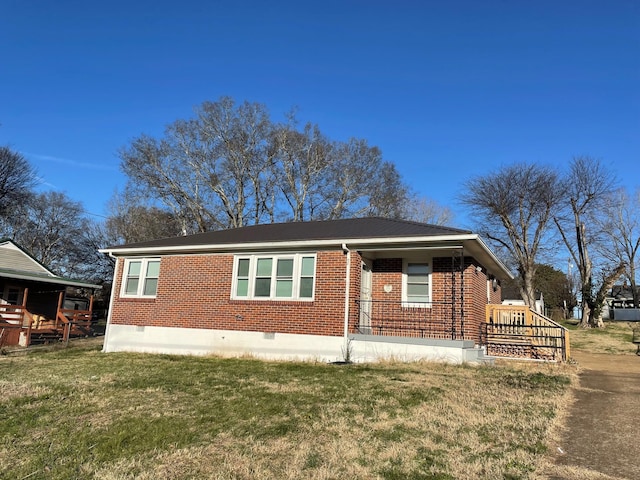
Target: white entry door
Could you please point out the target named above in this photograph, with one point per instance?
(365, 297)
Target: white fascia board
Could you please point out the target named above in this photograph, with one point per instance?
(353, 243)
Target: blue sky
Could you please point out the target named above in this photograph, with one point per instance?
(446, 89)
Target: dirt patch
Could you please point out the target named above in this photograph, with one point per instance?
(600, 438)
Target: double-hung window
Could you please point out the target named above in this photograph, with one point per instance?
(416, 286)
(140, 277)
(274, 277)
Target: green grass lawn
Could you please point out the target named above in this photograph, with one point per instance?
(79, 413)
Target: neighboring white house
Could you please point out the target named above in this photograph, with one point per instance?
(539, 308)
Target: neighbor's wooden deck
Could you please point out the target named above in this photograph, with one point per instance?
(17, 321)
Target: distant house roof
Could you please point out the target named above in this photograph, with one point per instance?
(623, 291)
(359, 233)
(17, 263)
(512, 292)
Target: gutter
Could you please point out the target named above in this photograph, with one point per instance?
(233, 247)
(347, 253)
(111, 298)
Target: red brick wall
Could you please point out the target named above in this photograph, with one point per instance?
(194, 291)
(387, 271)
(475, 298)
(496, 295)
(444, 281)
(445, 278)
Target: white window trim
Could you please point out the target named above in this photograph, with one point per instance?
(143, 268)
(405, 301)
(297, 275)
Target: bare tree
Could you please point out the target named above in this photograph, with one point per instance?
(231, 166)
(208, 170)
(130, 221)
(17, 179)
(622, 228)
(56, 232)
(237, 158)
(513, 207)
(426, 210)
(389, 195)
(587, 187)
(300, 169)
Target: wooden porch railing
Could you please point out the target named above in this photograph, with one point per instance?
(518, 331)
(70, 318)
(18, 319)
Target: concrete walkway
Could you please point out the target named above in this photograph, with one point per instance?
(602, 433)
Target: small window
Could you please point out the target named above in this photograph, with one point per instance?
(263, 277)
(417, 284)
(141, 277)
(306, 277)
(242, 284)
(274, 277)
(284, 278)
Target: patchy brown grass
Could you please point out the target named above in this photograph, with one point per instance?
(614, 338)
(84, 414)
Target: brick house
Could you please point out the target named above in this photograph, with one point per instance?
(356, 289)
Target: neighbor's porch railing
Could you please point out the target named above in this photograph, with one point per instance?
(68, 322)
(74, 321)
(518, 331)
(14, 319)
(408, 319)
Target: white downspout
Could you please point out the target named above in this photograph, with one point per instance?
(111, 297)
(347, 252)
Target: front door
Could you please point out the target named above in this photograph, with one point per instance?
(365, 297)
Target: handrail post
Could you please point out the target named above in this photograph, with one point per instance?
(29, 327)
(90, 317)
(25, 295)
(58, 311)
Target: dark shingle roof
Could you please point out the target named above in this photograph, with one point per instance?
(344, 229)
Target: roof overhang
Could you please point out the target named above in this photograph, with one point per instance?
(470, 244)
(46, 279)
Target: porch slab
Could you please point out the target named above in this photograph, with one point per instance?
(368, 348)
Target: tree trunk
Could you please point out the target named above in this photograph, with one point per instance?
(634, 287)
(586, 314)
(597, 301)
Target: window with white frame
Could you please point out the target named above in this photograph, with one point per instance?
(416, 284)
(274, 277)
(140, 277)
